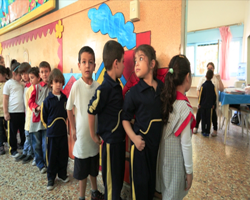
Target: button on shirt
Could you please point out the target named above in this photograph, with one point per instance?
(107, 103)
(144, 102)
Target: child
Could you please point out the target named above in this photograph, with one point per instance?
(37, 130)
(2, 61)
(175, 165)
(53, 116)
(107, 103)
(27, 149)
(143, 101)
(13, 107)
(86, 151)
(3, 137)
(207, 102)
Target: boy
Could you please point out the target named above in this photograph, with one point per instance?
(107, 103)
(207, 101)
(53, 116)
(86, 151)
(37, 130)
(27, 148)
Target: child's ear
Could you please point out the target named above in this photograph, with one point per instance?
(152, 64)
(94, 67)
(115, 63)
(79, 66)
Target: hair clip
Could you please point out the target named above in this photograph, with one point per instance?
(171, 70)
(16, 68)
(181, 56)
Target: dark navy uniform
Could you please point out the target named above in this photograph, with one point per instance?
(107, 103)
(207, 99)
(144, 102)
(54, 116)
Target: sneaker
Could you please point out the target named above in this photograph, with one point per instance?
(64, 179)
(50, 185)
(2, 151)
(33, 163)
(214, 134)
(97, 195)
(19, 158)
(195, 131)
(43, 170)
(207, 134)
(27, 159)
(15, 154)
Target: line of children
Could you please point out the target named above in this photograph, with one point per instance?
(54, 116)
(107, 103)
(207, 103)
(86, 151)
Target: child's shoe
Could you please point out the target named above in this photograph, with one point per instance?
(64, 179)
(27, 159)
(204, 134)
(19, 158)
(207, 134)
(50, 185)
(15, 154)
(214, 134)
(96, 195)
(43, 170)
(195, 130)
(33, 163)
(2, 151)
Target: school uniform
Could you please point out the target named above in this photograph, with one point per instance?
(144, 102)
(54, 116)
(207, 100)
(107, 103)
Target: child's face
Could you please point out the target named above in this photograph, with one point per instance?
(2, 78)
(56, 87)
(120, 67)
(2, 62)
(141, 64)
(87, 65)
(25, 77)
(188, 82)
(44, 73)
(16, 76)
(34, 79)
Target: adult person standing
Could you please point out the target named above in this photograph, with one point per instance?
(216, 80)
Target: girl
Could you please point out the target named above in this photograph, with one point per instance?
(143, 101)
(3, 138)
(13, 106)
(175, 165)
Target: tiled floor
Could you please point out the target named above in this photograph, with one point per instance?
(220, 172)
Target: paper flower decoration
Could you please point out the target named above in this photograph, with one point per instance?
(59, 29)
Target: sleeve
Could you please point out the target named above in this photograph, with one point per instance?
(200, 95)
(129, 107)
(200, 83)
(186, 145)
(98, 101)
(44, 113)
(27, 96)
(71, 99)
(32, 100)
(6, 89)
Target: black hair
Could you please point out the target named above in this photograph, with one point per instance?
(179, 67)
(3, 70)
(85, 49)
(24, 67)
(209, 74)
(14, 66)
(35, 71)
(211, 63)
(57, 76)
(44, 64)
(150, 53)
(112, 50)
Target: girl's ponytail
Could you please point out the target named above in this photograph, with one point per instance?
(179, 67)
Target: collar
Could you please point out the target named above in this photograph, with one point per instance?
(180, 96)
(28, 84)
(143, 85)
(42, 83)
(110, 80)
(51, 95)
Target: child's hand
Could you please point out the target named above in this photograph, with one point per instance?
(38, 108)
(189, 180)
(97, 139)
(6, 116)
(139, 142)
(73, 131)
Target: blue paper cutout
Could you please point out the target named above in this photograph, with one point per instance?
(113, 25)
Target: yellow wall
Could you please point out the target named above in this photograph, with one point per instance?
(162, 18)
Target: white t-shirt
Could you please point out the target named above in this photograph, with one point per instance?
(79, 98)
(14, 90)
